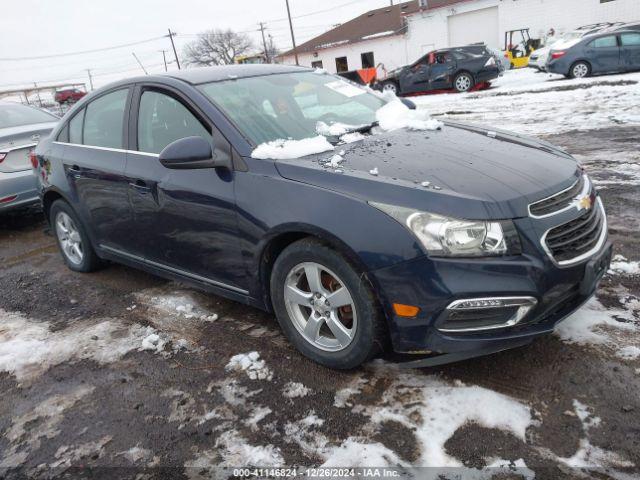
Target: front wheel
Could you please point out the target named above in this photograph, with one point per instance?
(324, 306)
(390, 86)
(463, 82)
(580, 70)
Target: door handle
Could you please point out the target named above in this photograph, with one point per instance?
(141, 186)
(75, 171)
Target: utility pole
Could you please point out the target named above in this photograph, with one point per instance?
(164, 58)
(293, 38)
(264, 42)
(90, 78)
(140, 63)
(175, 53)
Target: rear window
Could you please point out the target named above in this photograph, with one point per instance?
(19, 115)
(604, 42)
(630, 39)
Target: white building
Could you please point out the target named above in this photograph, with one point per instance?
(397, 35)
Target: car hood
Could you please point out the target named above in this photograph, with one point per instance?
(24, 134)
(471, 172)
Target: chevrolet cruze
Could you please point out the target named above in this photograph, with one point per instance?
(441, 241)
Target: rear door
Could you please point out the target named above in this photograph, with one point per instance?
(94, 162)
(441, 75)
(630, 51)
(604, 54)
(184, 220)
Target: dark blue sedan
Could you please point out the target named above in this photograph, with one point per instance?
(611, 52)
(363, 225)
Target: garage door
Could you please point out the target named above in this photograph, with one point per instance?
(474, 27)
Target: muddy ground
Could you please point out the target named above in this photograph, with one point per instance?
(98, 399)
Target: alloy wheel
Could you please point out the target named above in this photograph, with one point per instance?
(320, 306)
(390, 87)
(69, 238)
(580, 70)
(463, 83)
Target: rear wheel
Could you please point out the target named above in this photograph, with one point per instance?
(580, 70)
(463, 82)
(73, 241)
(324, 307)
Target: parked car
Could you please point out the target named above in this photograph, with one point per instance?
(539, 58)
(440, 246)
(69, 95)
(604, 52)
(21, 127)
(460, 68)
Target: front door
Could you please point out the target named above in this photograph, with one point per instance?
(604, 54)
(94, 162)
(630, 51)
(416, 77)
(184, 220)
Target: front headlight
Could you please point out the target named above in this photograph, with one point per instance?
(451, 237)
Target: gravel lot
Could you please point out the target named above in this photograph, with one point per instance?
(122, 369)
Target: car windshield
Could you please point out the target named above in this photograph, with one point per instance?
(18, 115)
(290, 105)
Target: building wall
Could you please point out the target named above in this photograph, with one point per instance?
(429, 30)
(390, 51)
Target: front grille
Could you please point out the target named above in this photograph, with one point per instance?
(574, 239)
(559, 201)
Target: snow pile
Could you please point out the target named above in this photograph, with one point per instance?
(235, 450)
(295, 390)
(620, 264)
(177, 304)
(584, 326)
(335, 129)
(352, 137)
(153, 342)
(334, 161)
(288, 149)
(395, 115)
(356, 453)
(250, 363)
(374, 171)
(29, 348)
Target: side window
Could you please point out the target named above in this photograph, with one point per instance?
(104, 120)
(630, 39)
(162, 120)
(604, 42)
(63, 136)
(75, 128)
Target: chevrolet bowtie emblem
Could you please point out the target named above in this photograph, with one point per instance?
(584, 203)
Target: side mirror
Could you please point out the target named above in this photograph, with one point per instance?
(408, 103)
(191, 153)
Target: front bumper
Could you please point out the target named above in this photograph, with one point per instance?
(21, 185)
(433, 284)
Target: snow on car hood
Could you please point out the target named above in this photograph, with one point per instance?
(497, 173)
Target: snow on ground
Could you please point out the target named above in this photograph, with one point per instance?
(595, 324)
(29, 347)
(295, 390)
(620, 265)
(537, 103)
(250, 363)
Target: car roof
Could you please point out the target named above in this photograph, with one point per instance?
(197, 76)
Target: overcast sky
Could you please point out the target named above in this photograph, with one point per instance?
(39, 28)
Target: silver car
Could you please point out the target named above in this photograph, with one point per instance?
(21, 127)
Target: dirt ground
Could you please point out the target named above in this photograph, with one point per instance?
(135, 376)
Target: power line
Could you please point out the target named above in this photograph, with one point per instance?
(69, 54)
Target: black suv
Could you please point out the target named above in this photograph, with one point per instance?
(460, 68)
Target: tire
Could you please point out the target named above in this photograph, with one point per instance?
(73, 241)
(463, 82)
(390, 86)
(363, 328)
(580, 69)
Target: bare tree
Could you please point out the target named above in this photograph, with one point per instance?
(272, 50)
(217, 47)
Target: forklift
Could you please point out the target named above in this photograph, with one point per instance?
(518, 46)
